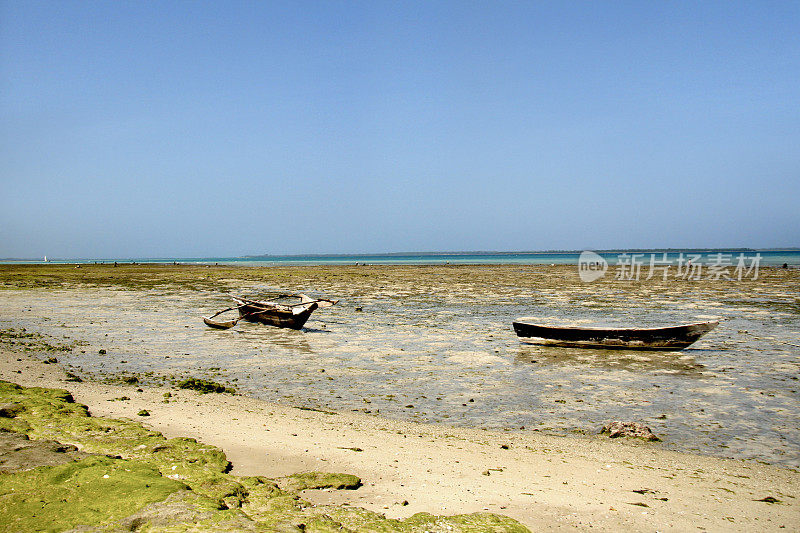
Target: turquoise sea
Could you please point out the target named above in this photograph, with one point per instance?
(766, 258)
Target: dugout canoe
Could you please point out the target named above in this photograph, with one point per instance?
(286, 311)
(662, 338)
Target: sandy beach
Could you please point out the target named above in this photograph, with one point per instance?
(547, 483)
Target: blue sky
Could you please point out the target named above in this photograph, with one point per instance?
(188, 129)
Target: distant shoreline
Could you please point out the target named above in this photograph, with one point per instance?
(528, 252)
(394, 255)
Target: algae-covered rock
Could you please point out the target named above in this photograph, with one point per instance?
(319, 480)
(227, 491)
(205, 386)
(142, 481)
(16, 425)
(358, 519)
(52, 414)
(465, 523)
(10, 410)
(19, 453)
(90, 491)
(182, 506)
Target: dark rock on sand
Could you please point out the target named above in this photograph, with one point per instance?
(19, 453)
(628, 429)
(10, 410)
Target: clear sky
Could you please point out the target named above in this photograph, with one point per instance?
(186, 129)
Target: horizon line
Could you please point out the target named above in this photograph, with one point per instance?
(403, 254)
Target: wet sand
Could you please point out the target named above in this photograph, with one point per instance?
(546, 482)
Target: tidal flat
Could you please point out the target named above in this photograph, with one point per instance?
(435, 344)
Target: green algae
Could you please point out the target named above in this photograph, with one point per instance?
(139, 480)
(467, 522)
(86, 492)
(204, 386)
(26, 341)
(14, 424)
(319, 480)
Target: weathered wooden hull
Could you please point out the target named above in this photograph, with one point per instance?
(666, 338)
(267, 313)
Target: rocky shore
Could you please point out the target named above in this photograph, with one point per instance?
(118, 475)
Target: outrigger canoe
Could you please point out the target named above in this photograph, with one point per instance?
(664, 338)
(286, 311)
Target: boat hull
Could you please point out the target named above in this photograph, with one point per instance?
(666, 338)
(266, 313)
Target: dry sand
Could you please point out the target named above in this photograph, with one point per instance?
(546, 482)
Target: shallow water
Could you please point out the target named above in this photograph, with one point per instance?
(436, 344)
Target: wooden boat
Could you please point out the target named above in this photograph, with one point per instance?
(286, 311)
(664, 338)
